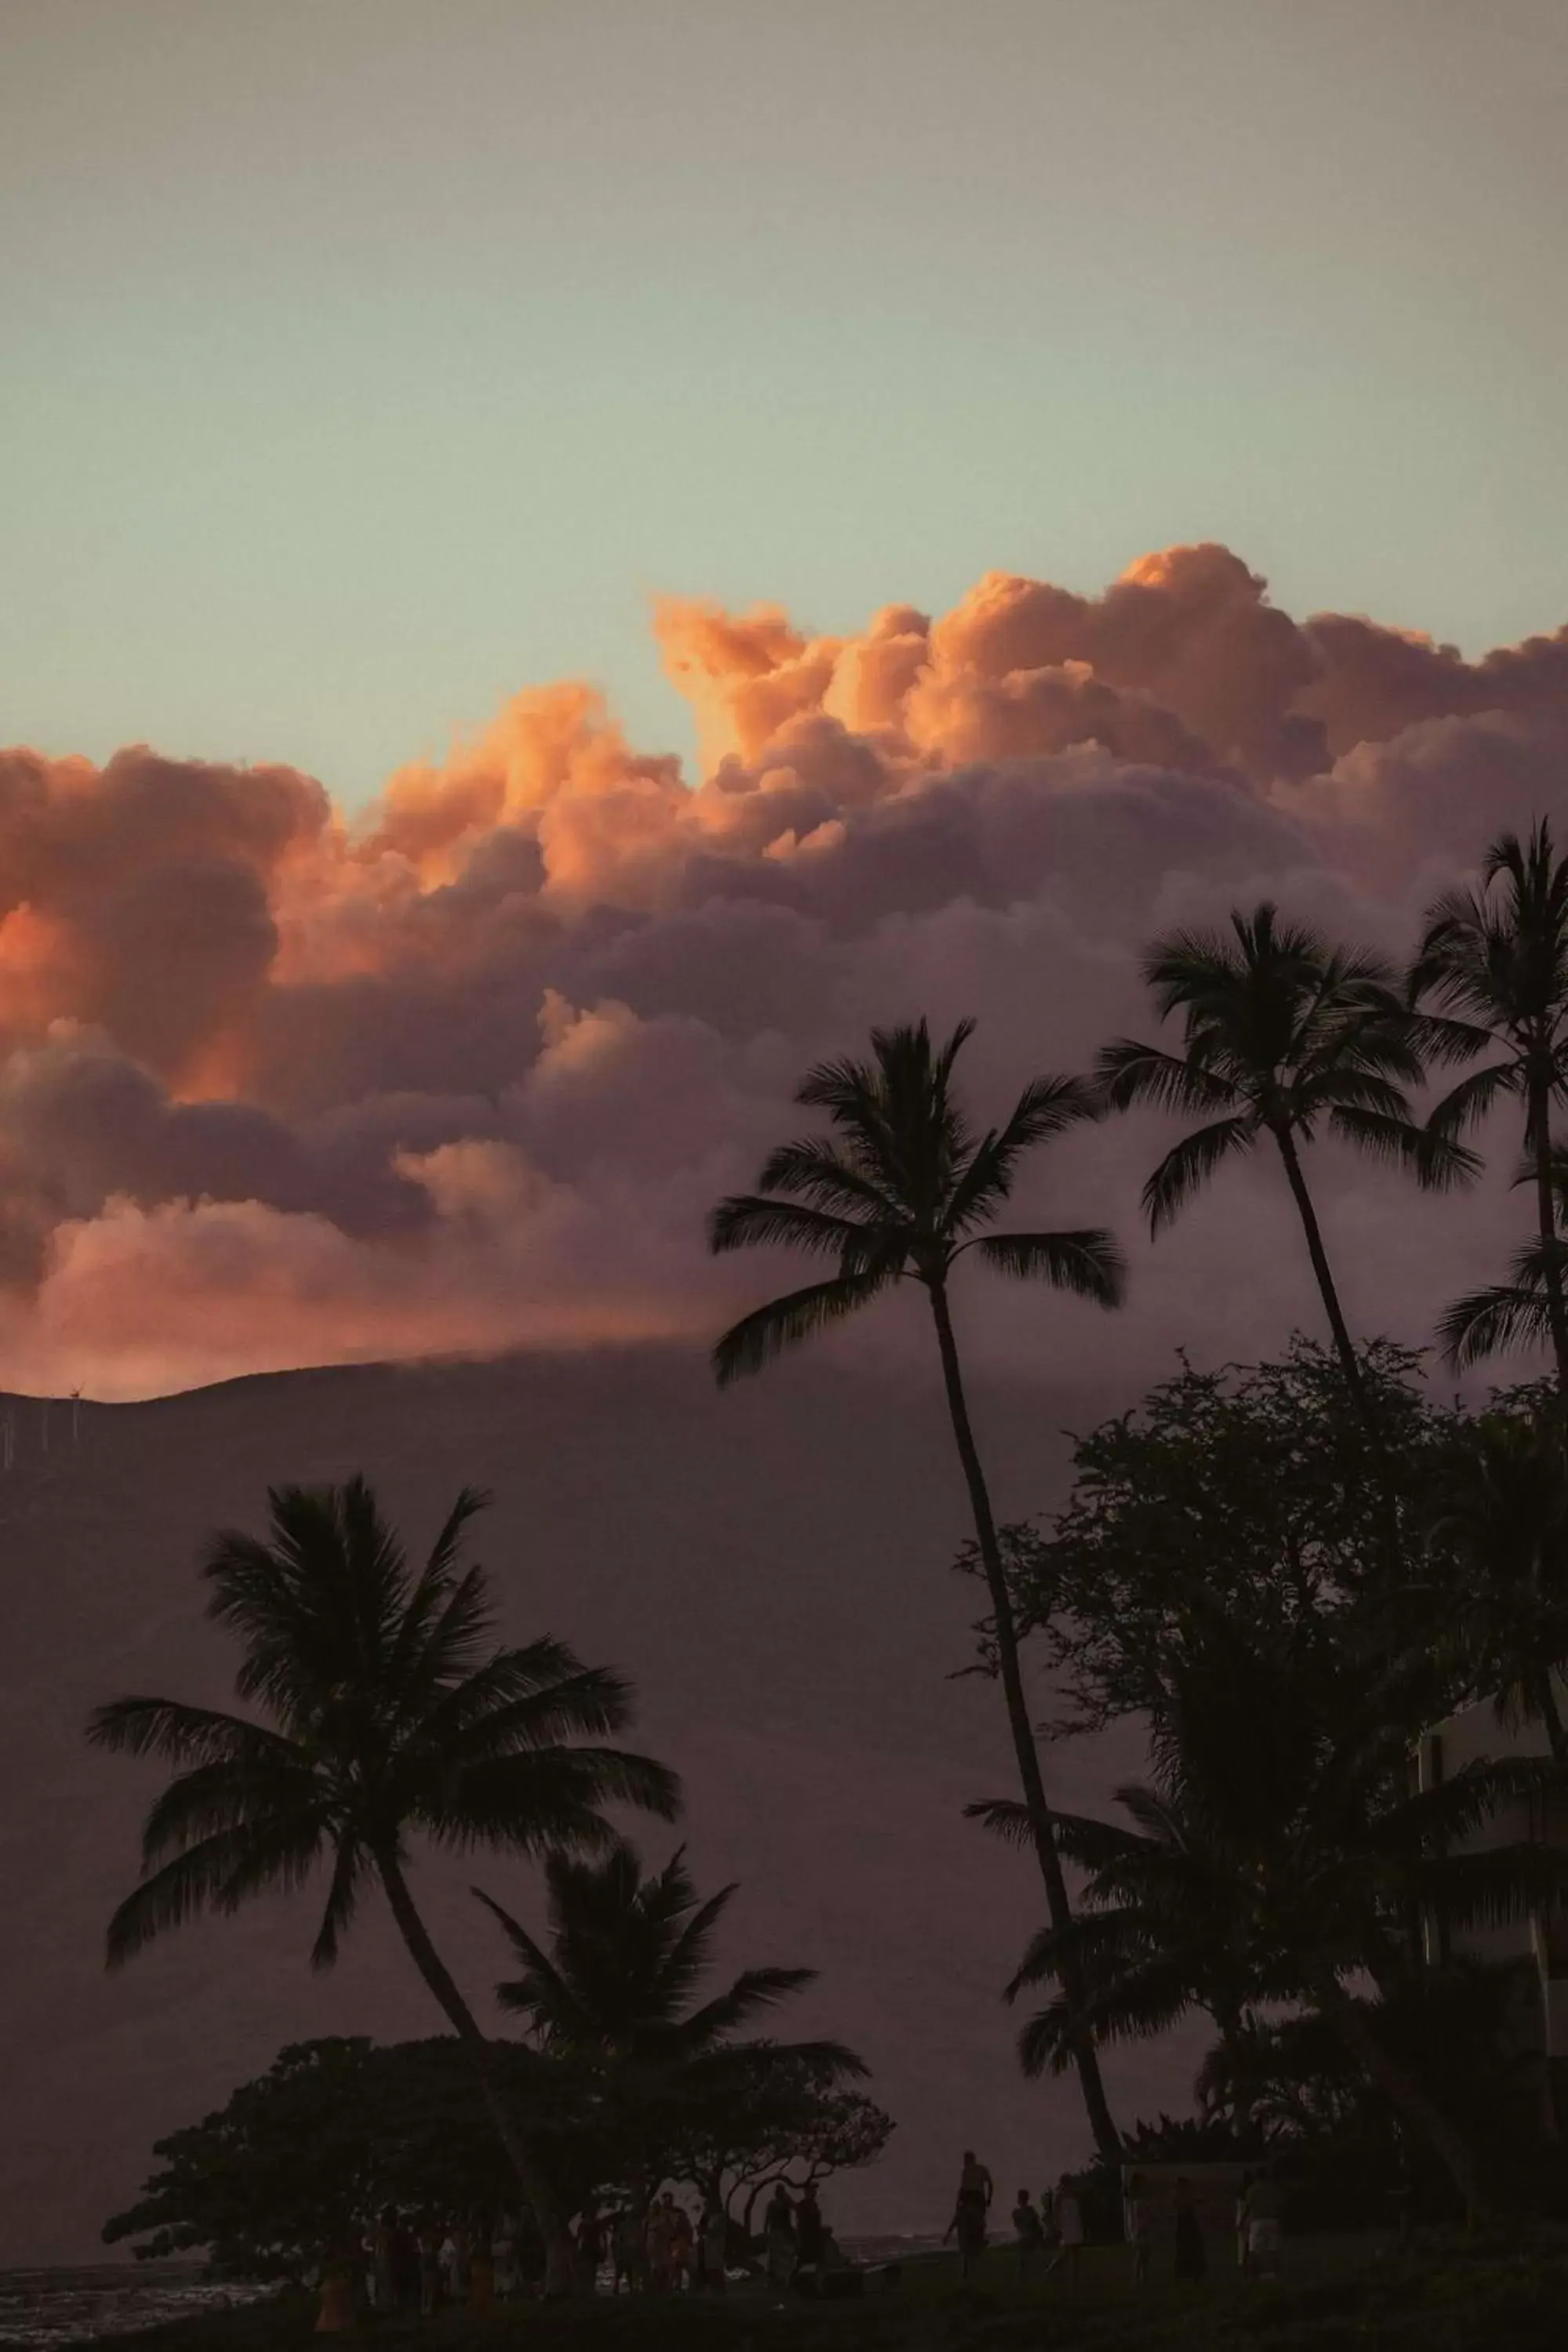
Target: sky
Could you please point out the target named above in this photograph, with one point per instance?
(366, 363)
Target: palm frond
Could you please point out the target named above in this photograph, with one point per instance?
(218, 1874)
(1494, 1321)
(761, 1336)
(1128, 1073)
(1004, 1817)
(1495, 1888)
(179, 1734)
(758, 1221)
(1047, 1108)
(1189, 1164)
(1089, 1263)
(815, 1171)
(229, 1793)
(539, 1798)
(526, 1698)
(754, 1991)
(1467, 1103)
(1436, 1161)
(429, 1596)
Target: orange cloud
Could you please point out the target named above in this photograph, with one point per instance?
(275, 1087)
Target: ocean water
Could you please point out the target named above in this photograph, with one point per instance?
(49, 2307)
(44, 2308)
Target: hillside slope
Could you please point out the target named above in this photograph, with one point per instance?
(769, 1567)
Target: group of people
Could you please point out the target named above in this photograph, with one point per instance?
(419, 2262)
(798, 2247)
(1050, 2233)
(662, 2252)
(1050, 2237)
(416, 2264)
(1258, 2243)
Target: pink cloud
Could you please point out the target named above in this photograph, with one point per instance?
(277, 1088)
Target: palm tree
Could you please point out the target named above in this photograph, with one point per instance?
(625, 1953)
(1280, 1849)
(1283, 1037)
(1516, 1313)
(388, 1710)
(1494, 960)
(1505, 1523)
(902, 1191)
(610, 2000)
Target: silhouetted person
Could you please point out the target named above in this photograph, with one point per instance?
(590, 2248)
(627, 2245)
(1135, 2216)
(1242, 2263)
(712, 2246)
(1262, 2206)
(682, 2249)
(969, 2213)
(778, 2236)
(404, 2256)
(1028, 2234)
(1192, 2261)
(1066, 2216)
(809, 2233)
(657, 2240)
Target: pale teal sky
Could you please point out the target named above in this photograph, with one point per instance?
(365, 360)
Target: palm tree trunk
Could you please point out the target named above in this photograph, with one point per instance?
(1349, 1361)
(1539, 1121)
(532, 2177)
(1543, 1701)
(1408, 2096)
(1086, 2058)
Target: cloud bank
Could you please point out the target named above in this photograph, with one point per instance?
(465, 1075)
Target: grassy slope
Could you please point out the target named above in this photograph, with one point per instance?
(1476, 2298)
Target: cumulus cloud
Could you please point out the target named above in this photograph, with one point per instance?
(279, 1089)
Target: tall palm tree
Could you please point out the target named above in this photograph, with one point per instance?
(1281, 1849)
(386, 1710)
(1283, 1037)
(1505, 1524)
(901, 1191)
(1494, 962)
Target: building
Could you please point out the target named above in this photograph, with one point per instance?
(1536, 1947)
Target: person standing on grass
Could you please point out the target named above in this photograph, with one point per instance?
(1068, 2215)
(713, 2245)
(382, 2295)
(625, 2242)
(1028, 2234)
(503, 2254)
(404, 2267)
(1192, 2259)
(1135, 2217)
(971, 2209)
(1264, 2249)
(481, 2266)
(778, 2236)
(657, 2242)
(1243, 2216)
(429, 2270)
(682, 2249)
(809, 2233)
(590, 2248)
